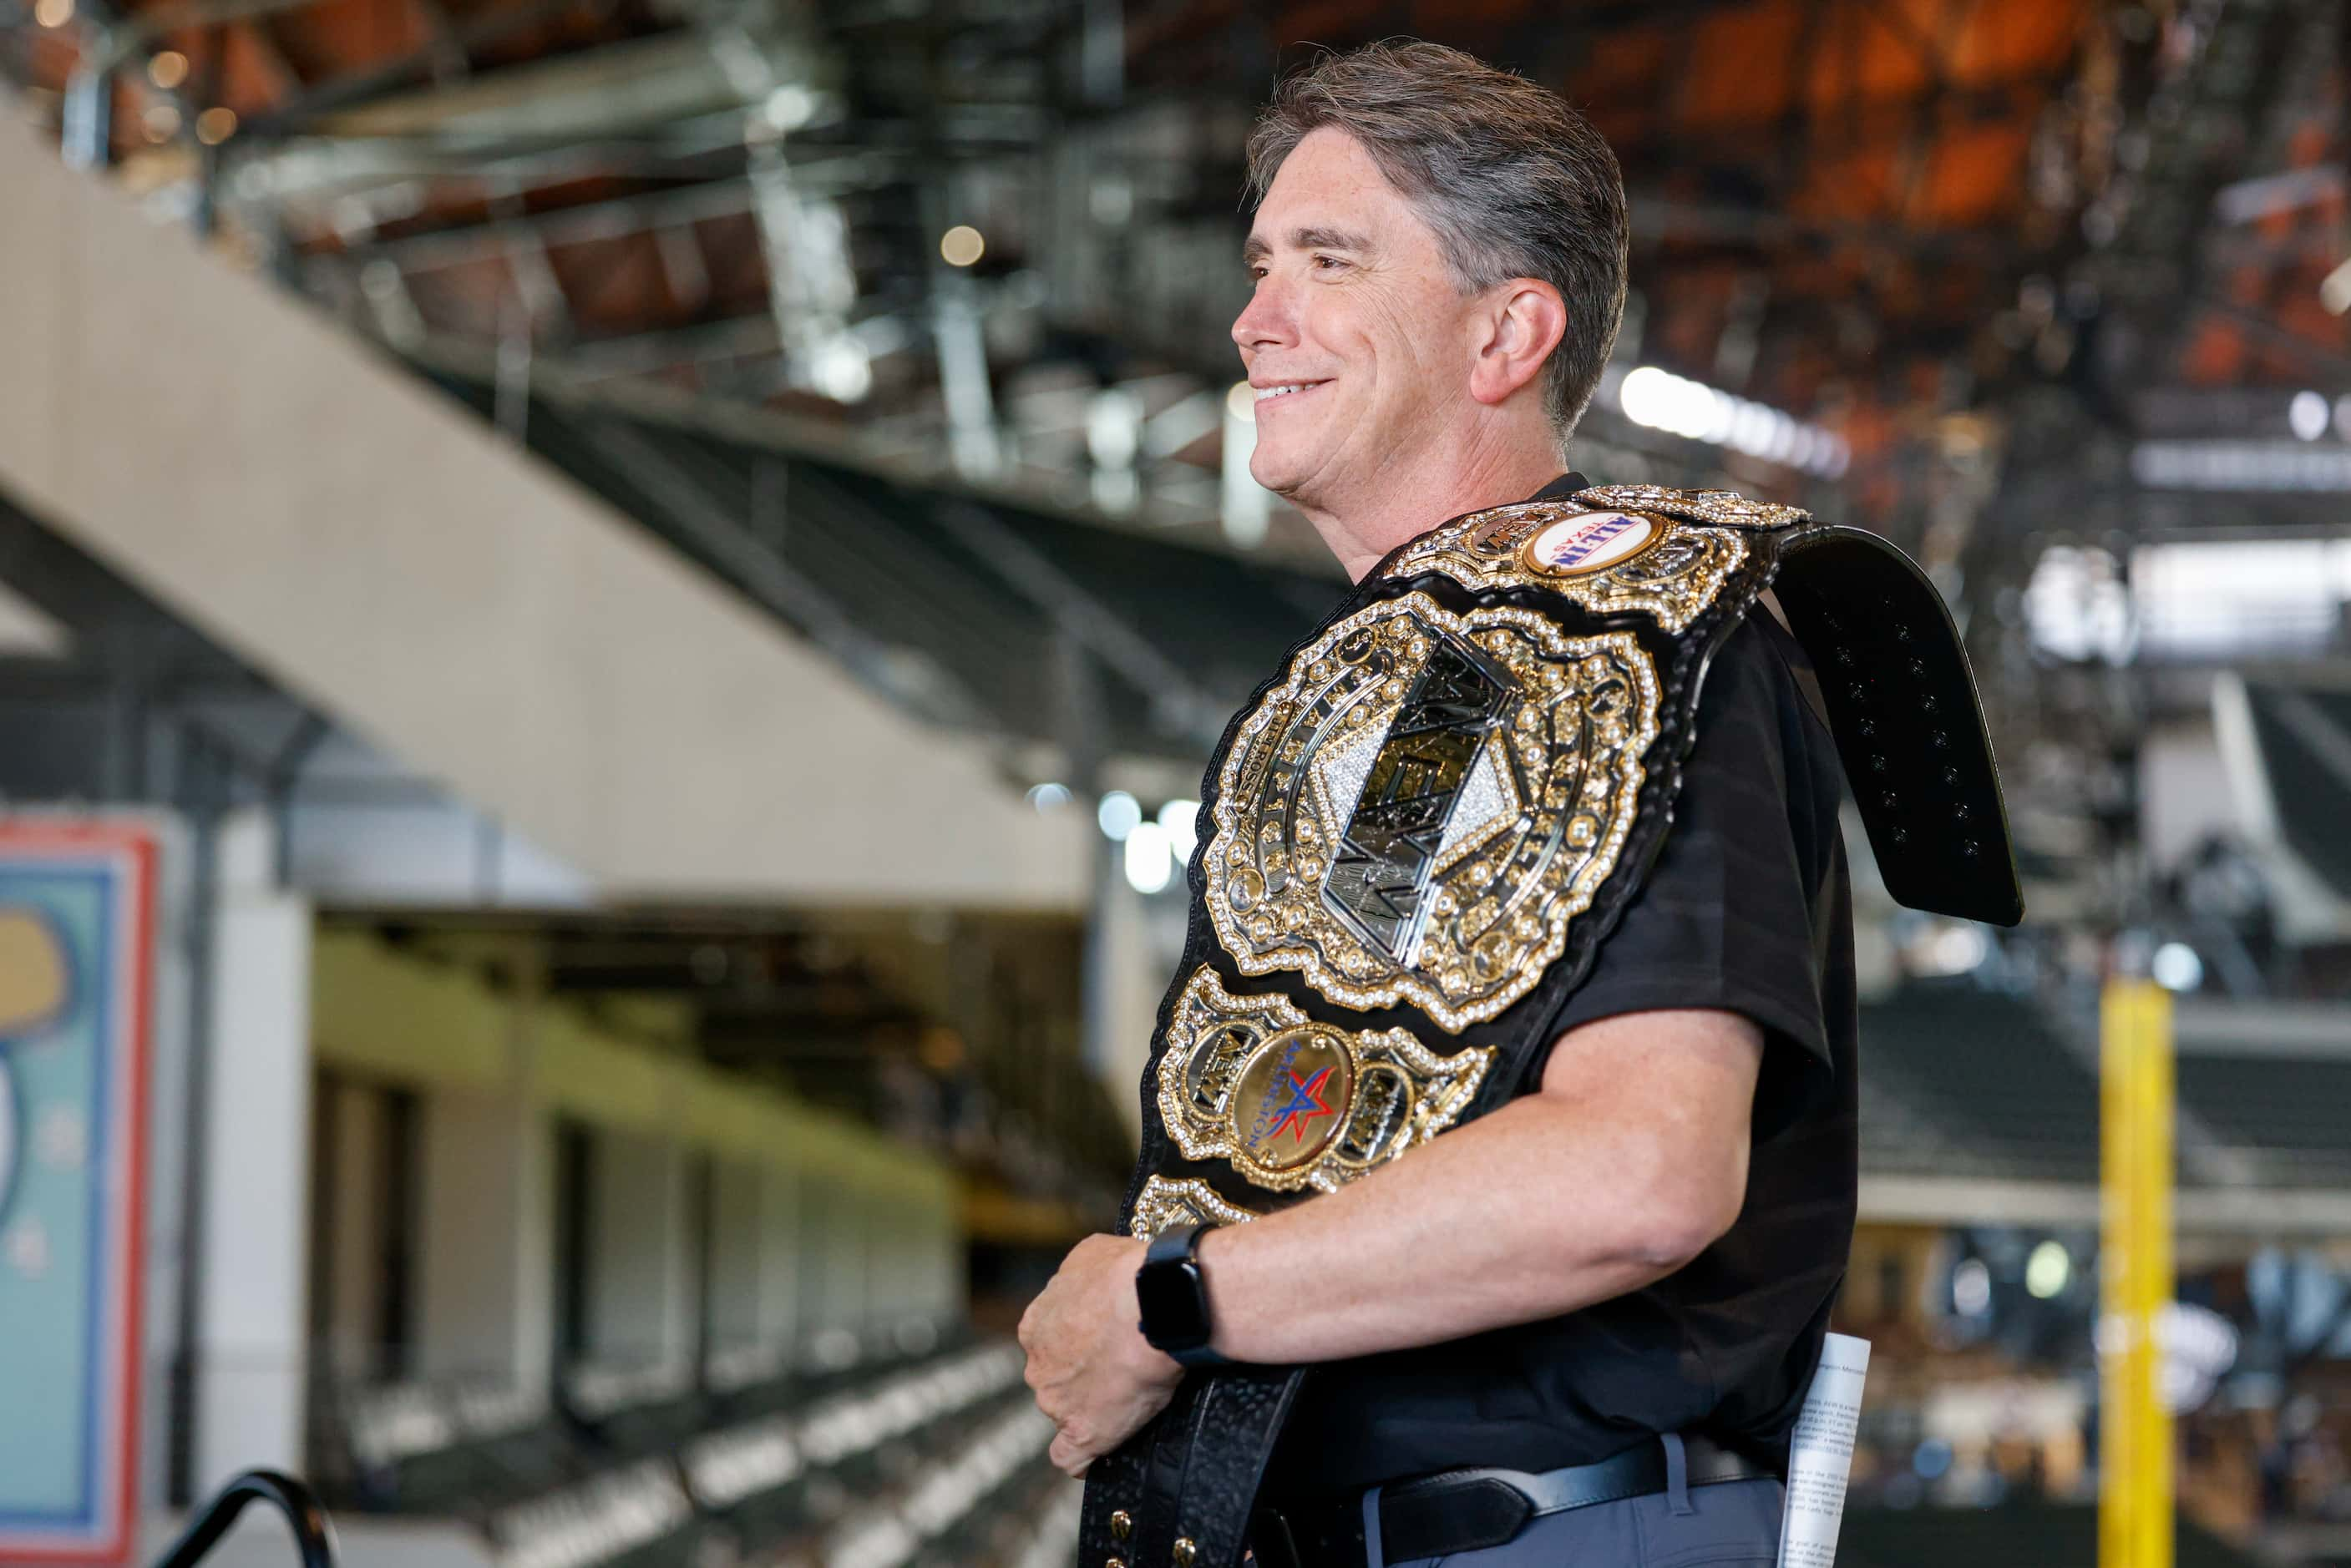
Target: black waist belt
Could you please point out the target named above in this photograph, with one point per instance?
(1468, 1511)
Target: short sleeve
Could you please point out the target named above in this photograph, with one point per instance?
(1731, 915)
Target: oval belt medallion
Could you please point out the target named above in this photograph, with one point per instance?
(1288, 1105)
(1417, 812)
(1628, 559)
(1593, 542)
(1295, 1103)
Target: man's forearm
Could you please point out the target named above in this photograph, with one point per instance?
(1537, 1209)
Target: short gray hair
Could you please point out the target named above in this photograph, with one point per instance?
(1515, 182)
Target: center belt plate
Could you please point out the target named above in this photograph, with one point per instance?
(1420, 809)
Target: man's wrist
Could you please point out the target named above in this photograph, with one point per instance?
(1174, 1315)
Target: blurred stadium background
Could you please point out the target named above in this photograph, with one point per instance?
(659, 574)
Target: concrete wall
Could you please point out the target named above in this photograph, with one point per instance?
(737, 1278)
(381, 551)
(253, 1323)
(354, 1149)
(640, 1253)
(485, 1268)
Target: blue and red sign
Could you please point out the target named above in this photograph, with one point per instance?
(77, 972)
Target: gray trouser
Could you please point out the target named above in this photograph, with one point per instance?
(1729, 1525)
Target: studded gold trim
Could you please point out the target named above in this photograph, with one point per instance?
(1712, 508)
(1672, 578)
(1398, 1093)
(1582, 714)
(1189, 1201)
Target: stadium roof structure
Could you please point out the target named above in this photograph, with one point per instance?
(1902, 219)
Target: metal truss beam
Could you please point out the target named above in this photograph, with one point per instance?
(1181, 703)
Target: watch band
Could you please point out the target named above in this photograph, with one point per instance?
(1179, 1244)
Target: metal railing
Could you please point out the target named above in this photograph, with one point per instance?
(314, 1535)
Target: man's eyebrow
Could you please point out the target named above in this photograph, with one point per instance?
(1327, 240)
(1259, 248)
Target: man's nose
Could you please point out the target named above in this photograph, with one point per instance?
(1267, 321)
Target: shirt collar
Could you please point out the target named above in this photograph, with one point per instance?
(1564, 486)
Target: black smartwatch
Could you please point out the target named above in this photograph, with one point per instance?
(1174, 1296)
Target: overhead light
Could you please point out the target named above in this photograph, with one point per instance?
(1662, 401)
(2077, 604)
(163, 122)
(2307, 415)
(1150, 862)
(1240, 401)
(1113, 428)
(1181, 819)
(2176, 967)
(1049, 796)
(1971, 1288)
(1118, 816)
(962, 245)
(53, 13)
(2047, 1269)
(1954, 949)
(788, 107)
(2335, 290)
(2241, 465)
(168, 69)
(841, 369)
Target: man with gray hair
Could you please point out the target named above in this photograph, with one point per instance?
(1436, 894)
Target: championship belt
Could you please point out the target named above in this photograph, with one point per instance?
(1418, 834)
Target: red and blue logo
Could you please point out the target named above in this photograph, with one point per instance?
(1297, 1113)
(1590, 541)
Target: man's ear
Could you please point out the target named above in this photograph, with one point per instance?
(1522, 322)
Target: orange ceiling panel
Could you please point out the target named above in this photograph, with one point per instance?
(333, 38)
(1728, 71)
(254, 75)
(610, 283)
(1623, 67)
(1859, 181)
(1974, 174)
(2003, 40)
(1865, 49)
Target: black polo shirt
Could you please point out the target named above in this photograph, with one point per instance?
(1746, 909)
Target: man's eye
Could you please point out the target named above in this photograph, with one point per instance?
(1328, 263)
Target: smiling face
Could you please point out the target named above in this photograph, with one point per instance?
(1355, 308)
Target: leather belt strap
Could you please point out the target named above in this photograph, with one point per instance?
(1470, 1510)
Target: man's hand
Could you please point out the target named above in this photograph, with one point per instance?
(1095, 1374)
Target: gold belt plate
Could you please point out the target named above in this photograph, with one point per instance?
(1294, 1104)
(1418, 811)
(1168, 1201)
(1676, 573)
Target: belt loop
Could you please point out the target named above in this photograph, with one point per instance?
(1677, 1476)
(1374, 1550)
